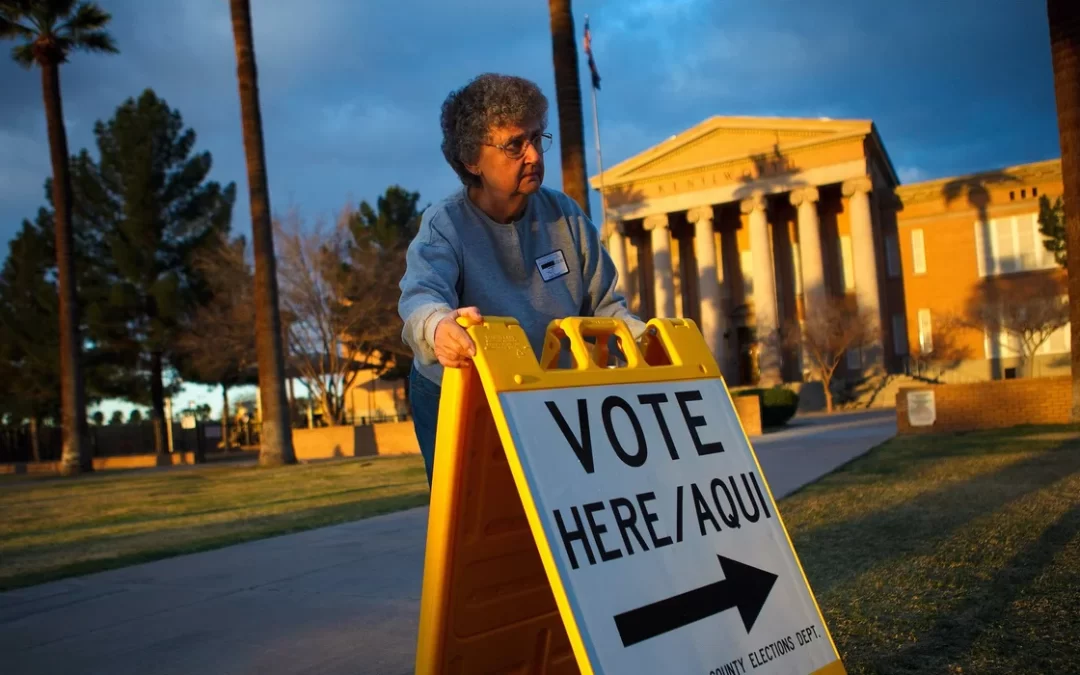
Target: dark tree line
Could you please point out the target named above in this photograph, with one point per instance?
(167, 290)
(141, 210)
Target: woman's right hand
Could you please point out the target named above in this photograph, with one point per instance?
(453, 346)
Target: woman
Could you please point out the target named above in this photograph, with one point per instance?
(502, 245)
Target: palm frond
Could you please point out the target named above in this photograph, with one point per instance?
(11, 29)
(55, 10)
(23, 55)
(84, 28)
(96, 41)
(87, 17)
(15, 10)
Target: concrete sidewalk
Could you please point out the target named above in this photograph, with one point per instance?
(342, 599)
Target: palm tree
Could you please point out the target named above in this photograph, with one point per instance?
(1064, 18)
(276, 434)
(48, 31)
(568, 95)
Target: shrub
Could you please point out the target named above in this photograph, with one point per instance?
(778, 404)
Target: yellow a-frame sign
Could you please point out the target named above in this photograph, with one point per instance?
(606, 520)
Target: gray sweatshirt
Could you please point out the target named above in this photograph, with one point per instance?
(547, 265)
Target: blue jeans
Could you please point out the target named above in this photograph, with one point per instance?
(424, 402)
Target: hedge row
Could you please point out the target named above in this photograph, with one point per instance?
(778, 404)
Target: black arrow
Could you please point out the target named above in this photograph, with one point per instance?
(744, 587)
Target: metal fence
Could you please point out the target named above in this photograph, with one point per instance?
(117, 440)
(114, 440)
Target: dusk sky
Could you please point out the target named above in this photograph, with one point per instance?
(351, 89)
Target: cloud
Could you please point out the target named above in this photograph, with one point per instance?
(911, 174)
(351, 90)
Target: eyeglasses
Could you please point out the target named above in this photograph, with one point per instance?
(515, 147)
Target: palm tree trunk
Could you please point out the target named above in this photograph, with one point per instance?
(1064, 18)
(225, 417)
(35, 439)
(568, 95)
(275, 435)
(157, 409)
(75, 456)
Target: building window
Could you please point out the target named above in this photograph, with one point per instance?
(848, 266)
(999, 344)
(1011, 244)
(926, 337)
(892, 256)
(1057, 343)
(918, 251)
(1023, 194)
(1012, 196)
(899, 334)
(1060, 341)
(1034, 192)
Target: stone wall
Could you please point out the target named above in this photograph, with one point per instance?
(994, 404)
(144, 461)
(388, 438)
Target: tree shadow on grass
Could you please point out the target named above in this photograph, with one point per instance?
(838, 553)
(986, 608)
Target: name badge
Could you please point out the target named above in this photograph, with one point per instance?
(552, 265)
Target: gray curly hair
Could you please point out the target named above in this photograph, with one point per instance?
(487, 101)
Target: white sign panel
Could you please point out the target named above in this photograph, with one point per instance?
(667, 545)
(921, 408)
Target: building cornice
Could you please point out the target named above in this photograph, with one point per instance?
(933, 190)
(735, 192)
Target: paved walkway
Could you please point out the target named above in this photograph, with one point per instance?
(341, 599)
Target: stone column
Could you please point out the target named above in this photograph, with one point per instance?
(810, 257)
(765, 312)
(864, 259)
(663, 280)
(713, 322)
(616, 246)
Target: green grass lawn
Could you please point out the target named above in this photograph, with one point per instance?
(952, 554)
(936, 554)
(52, 528)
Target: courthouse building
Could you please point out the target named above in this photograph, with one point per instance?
(747, 224)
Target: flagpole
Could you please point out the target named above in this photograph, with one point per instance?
(599, 155)
(599, 161)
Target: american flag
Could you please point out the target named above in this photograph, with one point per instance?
(588, 52)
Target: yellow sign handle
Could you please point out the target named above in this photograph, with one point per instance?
(665, 343)
(587, 357)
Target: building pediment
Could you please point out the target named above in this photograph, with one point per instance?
(729, 139)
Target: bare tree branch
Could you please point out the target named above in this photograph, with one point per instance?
(826, 337)
(1025, 309)
(339, 295)
(945, 351)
